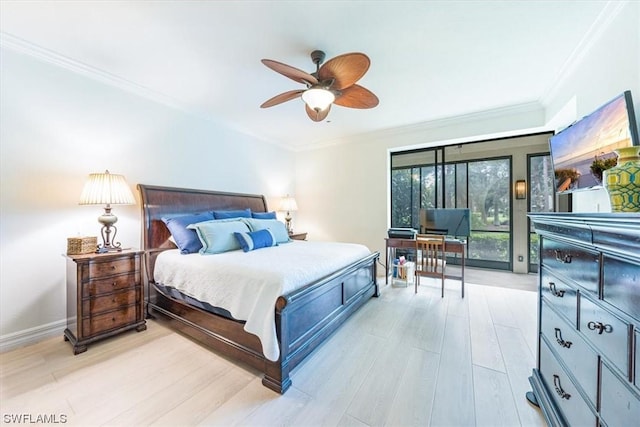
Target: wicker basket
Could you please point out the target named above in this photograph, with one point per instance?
(81, 245)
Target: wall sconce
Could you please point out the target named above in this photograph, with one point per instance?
(107, 189)
(288, 204)
(521, 189)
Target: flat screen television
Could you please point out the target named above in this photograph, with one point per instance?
(578, 151)
(450, 222)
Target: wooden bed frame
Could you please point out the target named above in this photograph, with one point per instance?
(304, 318)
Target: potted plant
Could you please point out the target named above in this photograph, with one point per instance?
(601, 164)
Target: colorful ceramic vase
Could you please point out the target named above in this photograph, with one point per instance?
(623, 181)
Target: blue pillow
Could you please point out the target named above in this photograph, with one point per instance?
(263, 215)
(186, 240)
(255, 240)
(217, 236)
(241, 213)
(277, 228)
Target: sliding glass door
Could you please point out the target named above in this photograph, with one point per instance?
(483, 186)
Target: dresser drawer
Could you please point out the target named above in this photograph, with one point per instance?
(581, 265)
(112, 267)
(563, 391)
(110, 284)
(622, 285)
(619, 405)
(607, 332)
(574, 352)
(559, 294)
(111, 301)
(111, 320)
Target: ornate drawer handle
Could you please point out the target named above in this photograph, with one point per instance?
(563, 394)
(565, 259)
(600, 327)
(554, 292)
(563, 343)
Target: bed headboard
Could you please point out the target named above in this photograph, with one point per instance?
(158, 202)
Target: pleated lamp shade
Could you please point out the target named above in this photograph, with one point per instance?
(106, 189)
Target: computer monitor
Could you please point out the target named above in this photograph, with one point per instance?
(450, 222)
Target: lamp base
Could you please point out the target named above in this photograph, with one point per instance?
(104, 249)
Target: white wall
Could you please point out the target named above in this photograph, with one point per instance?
(57, 127)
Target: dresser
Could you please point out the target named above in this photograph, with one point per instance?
(588, 362)
(104, 296)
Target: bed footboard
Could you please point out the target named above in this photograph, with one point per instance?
(306, 317)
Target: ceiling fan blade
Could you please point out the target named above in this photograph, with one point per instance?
(283, 97)
(345, 69)
(291, 72)
(357, 96)
(317, 116)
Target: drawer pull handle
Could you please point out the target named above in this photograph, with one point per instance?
(563, 394)
(113, 319)
(565, 259)
(113, 267)
(554, 291)
(563, 343)
(114, 283)
(600, 327)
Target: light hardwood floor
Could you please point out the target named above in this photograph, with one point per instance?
(401, 360)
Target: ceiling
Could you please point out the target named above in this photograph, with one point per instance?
(430, 60)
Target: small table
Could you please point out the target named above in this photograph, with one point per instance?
(450, 246)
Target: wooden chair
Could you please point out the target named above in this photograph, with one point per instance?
(430, 258)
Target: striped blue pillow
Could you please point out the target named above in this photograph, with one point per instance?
(255, 240)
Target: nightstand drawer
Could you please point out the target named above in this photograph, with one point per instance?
(562, 296)
(572, 261)
(113, 267)
(107, 321)
(608, 333)
(572, 349)
(111, 301)
(110, 284)
(564, 393)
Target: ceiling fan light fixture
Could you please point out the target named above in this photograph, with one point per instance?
(317, 98)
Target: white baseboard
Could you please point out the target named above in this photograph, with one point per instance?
(32, 335)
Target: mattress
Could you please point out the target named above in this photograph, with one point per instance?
(247, 284)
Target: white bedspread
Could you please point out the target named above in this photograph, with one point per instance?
(248, 284)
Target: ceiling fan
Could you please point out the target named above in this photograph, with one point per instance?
(333, 82)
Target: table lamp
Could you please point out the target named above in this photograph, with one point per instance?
(288, 204)
(107, 189)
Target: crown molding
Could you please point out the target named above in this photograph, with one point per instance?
(611, 10)
(418, 130)
(22, 46)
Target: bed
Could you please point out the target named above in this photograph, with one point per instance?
(303, 318)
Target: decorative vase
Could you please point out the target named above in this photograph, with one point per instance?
(623, 181)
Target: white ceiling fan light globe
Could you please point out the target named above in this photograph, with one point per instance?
(318, 99)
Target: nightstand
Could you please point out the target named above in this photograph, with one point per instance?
(298, 236)
(104, 296)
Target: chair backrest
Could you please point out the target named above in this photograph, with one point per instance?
(430, 253)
